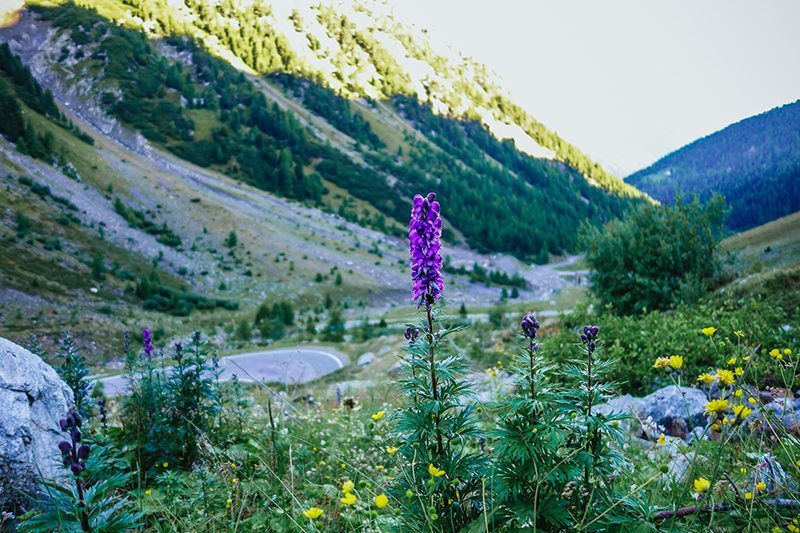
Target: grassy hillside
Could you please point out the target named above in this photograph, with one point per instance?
(754, 163)
(288, 126)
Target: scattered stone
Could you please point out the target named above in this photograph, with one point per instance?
(671, 403)
(32, 399)
(365, 359)
(622, 405)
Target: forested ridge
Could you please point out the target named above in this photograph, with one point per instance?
(754, 163)
(204, 110)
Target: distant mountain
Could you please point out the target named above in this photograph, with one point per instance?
(333, 105)
(754, 163)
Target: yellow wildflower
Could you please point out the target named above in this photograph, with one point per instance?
(748, 495)
(661, 362)
(706, 378)
(716, 406)
(200, 511)
(377, 416)
(343, 466)
(228, 503)
(739, 333)
(381, 501)
(742, 470)
(313, 513)
(349, 499)
(760, 486)
(676, 361)
(235, 480)
(662, 440)
(709, 331)
(752, 400)
(739, 371)
(148, 492)
(787, 351)
(701, 484)
(725, 377)
(776, 354)
(741, 411)
(391, 450)
(348, 486)
(793, 528)
(738, 393)
(165, 464)
(435, 472)
(732, 361)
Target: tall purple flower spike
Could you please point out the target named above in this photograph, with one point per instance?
(425, 243)
(147, 341)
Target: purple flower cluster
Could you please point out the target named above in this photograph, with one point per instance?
(73, 454)
(411, 334)
(425, 243)
(529, 326)
(147, 341)
(589, 337)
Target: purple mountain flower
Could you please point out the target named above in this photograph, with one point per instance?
(425, 243)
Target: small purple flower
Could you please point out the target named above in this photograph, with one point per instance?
(73, 455)
(147, 341)
(589, 337)
(530, 326)
(425, 244)
(411, 334)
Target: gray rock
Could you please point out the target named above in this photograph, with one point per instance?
(787, 411)
(365, 359)
(670, 403)
(32, 400)
(622, 405)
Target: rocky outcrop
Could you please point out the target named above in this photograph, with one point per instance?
(32, 400)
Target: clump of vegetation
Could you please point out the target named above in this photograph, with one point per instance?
(656, 258)
(158, 297)
(141, 220)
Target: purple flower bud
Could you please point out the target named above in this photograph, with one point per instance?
(64, 446)
(63, 424)
(77, 417)
(411, 334)
(75, 433)
(425, 244)
(83, 452)
(530, 326)
(76, 468)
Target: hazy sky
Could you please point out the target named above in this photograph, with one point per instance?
(628, 81)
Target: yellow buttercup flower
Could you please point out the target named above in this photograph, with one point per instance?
(709, 331)
(662, 440)
(738, 393)
(435, 472)
(706, 378)
(701, 484)
(776, 354)
(348, 486)
(739, 371)
(761, 486)
(742, 470)
(748, 495)
(732, 361)
(378, 415)
(752, 400)
(381, 501)
(391, 450)
(148, 492)
(165, 464)
(716, 406)
(313, 513)
(725, 376)
(676, 361)
(787, 351)
(349, 499)
(741, 411)
(739, 333)
(661, 362)
(228, 503)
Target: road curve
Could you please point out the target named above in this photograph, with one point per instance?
(285, 365)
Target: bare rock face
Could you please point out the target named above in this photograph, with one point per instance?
(32, 400)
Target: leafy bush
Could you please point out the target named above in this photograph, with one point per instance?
(657, 257)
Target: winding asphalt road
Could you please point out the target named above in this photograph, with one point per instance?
(288, 365)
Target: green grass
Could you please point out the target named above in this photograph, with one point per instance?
(773, 245)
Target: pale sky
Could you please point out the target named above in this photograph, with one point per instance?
(627, 81)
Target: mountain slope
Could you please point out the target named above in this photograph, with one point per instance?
(355, 119)
(754, 163)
